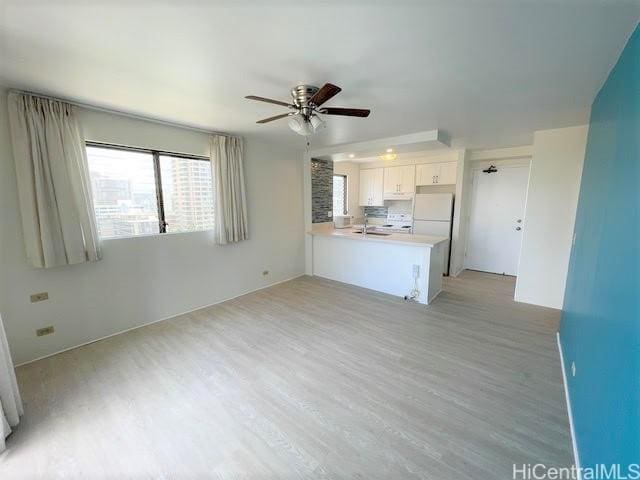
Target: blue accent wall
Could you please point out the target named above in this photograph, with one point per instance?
(600, 326)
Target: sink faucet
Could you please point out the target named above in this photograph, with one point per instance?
(364, 228)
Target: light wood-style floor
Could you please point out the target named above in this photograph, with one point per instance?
(307, 379)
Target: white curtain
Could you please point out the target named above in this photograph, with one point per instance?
(10, 402)
(58, 219)
(231, 203)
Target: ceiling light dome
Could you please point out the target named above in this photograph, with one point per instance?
(305, 126)
(299, 124)
(316, 122)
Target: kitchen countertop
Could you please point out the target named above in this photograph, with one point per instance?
(398, 238)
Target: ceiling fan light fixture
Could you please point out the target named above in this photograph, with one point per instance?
(317, 123)
(299, 124)
(307, 104)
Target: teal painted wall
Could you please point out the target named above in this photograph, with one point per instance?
(600, 326)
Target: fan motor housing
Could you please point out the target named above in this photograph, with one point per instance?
(302, 93)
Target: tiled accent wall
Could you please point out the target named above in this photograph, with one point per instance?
(376, 212)
(321, 190)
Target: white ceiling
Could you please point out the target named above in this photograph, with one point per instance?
(486, 72)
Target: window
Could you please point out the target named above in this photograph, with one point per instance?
(339, 194)
(141, 192)
(187, 193)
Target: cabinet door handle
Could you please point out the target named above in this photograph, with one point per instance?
(437, 178)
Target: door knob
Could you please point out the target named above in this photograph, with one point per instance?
(518, 228)
(519, 220)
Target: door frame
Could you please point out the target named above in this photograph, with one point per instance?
(481, 165)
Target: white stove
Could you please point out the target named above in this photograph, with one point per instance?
(397, 223)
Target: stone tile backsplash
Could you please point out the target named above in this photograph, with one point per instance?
(376, 212)
(321, 190)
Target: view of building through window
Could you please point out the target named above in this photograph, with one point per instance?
(339, 194)
(187, 193)
(125, 192)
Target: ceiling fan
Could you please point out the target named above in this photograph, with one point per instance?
(307, 104)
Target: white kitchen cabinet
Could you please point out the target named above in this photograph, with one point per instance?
(426, 173)
(436, 173)
(372, 187)
(399, 181)
(448, 173)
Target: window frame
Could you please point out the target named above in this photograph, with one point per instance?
(345, 199)
(155, 153)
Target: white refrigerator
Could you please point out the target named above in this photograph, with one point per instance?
(433, 215)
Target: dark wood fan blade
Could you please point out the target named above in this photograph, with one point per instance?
(327, 92)
(271, 119)
(349, 112)
(268, 100)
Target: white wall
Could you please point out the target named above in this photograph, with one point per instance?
(144, 279)
(552, 199)
(458, 230)
(352, 171)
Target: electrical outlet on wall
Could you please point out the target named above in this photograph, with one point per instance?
(41, 332)
(39, 297)
(330, 214)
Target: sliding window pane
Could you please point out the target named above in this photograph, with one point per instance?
(124, 192)
(187, 192)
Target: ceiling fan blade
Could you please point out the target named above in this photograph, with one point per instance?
(268, 100)
(349, 112)
(271, 119)
(325, 93)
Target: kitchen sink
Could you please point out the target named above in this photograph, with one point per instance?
(380, 234)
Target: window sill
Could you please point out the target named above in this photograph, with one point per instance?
(151, 235)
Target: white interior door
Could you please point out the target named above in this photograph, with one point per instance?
(497, 219)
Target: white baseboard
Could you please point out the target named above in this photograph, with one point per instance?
(576, 455)
(429, 300)
(159, 320)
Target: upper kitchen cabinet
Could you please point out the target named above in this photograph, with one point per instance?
(448, 173)
(372, 187)
(399, 182)
(436, 173)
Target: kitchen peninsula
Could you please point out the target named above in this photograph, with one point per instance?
(394, 263)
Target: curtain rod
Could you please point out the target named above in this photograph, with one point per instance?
(123, 114)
